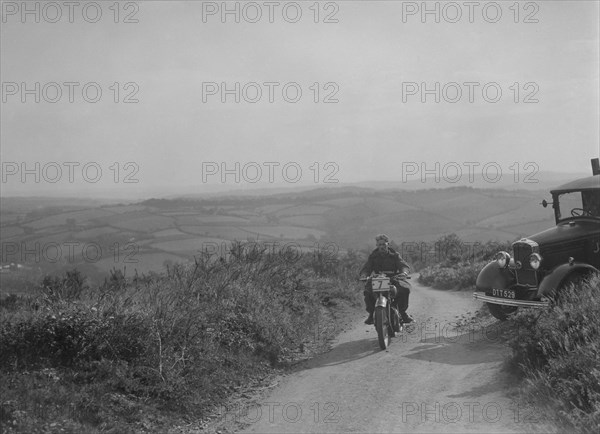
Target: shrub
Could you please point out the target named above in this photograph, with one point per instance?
(72, 335)
(459, 276)
(558, 351)
(185, 337)
(66, 288)
(459, 263)
(13, 302)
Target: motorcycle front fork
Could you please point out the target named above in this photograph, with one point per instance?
(392, 313)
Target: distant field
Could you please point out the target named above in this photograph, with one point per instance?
(10, 231)
(243, 213)
(311, 221)
(227, 232)
(24, 205)
(346, 201)
(167, 233)
(179, 213)
(387, 206)
(419, 198)
(220, 219)
(302, 210)
(124, 209)
(147, 242)
(267, 209)
(10, 218)
(146, 223)
(482, 235)
(525, 214)
(61, 219)
(198, 219)
(187, 219)
(355, 212)
(480, 207)
(198, 230)
(61, 248)
(174, 229)
(530, 228)
(60, 237)
(411, 225)
(187, 246)
(288, 232)
(113, 219)
(93, 233)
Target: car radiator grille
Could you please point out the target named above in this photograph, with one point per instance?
(522, 249)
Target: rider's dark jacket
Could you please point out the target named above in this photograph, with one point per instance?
(385, 261)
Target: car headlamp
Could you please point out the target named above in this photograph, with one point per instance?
(502, 259)
(535, 260)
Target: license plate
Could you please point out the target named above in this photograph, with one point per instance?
(504, 293)
(381, 285)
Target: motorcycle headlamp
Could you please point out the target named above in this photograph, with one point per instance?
(502, 259)
(535, 260)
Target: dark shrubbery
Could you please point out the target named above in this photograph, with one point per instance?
(458, 263)
(72, 336)
(66, 288)
(184, 337)
(456, 276)
(558, 351)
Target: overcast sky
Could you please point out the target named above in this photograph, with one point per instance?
(373, 61)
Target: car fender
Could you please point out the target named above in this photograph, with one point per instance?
(492, 276)
(558, 275)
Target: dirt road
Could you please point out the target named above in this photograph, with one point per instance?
(436, 377)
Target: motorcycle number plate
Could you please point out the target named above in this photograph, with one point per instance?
(504, 293)
(381, 284)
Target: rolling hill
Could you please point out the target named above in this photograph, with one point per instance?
(145, 235)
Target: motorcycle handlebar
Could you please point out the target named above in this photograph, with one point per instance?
(397, 276)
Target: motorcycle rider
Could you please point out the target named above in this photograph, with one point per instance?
(384, 258)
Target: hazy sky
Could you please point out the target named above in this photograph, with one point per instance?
(373, 61)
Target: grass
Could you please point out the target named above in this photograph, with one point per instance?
(136, 353)
(459, 276)
(456, 264)
(557, 353)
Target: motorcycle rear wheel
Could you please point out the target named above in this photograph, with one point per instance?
(381, 325)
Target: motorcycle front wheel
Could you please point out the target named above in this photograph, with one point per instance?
(394, 322)
(381, 325)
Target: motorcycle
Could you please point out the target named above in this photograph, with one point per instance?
(386, 317)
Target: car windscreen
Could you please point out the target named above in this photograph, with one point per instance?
(571, 205)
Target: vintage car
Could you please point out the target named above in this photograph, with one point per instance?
(544, 263)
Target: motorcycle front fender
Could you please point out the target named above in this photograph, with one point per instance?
(381, 301)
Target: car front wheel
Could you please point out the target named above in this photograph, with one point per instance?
(500, 311)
